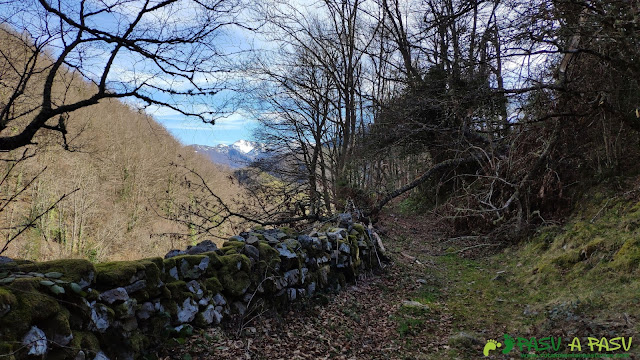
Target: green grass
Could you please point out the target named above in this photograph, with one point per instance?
(581, 276)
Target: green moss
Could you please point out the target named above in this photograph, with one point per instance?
(178, 290)
(359, 228)
(84, 340)
(58, 323)
(567, 259)
(213, 285)
(268, 254)
(6, 297)
(234, 263)
(628, 257)
(214, 262)
(72, 269)
(6, 349)
(287, 230)
(170, 306)
(31, 306)
(122, 273)
(139, 342)
(235, 284)
(592, 247)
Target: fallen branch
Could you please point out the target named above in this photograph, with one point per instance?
(424, 177)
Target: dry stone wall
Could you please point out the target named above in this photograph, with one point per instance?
(73, 309)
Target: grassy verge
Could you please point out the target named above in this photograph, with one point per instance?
(576, 280)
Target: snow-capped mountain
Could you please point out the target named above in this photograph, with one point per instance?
(237, 155)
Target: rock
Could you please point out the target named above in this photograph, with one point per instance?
(252, 240)
(62, 340)
(204, 263)
(174, 253)
(239, 307)
(76, 288)
(127, 309)
(100, 356)
(36, 341)
(85, 283)
(129, 324)
(5, 260)
(285, 252)
(414, 305)
(188, 311)
(194, 288)
(292, 277)
(7, 280)
(113, 295)
(57, 289)
(252, 252)
(210, 315)
(345, 219)
(189, 271)
(145, 311)
(100, 317)
(237, 238)
(422, 281)
(53, 275)
(173, 272)
(218, 299)
(337, 234)
(281, 235)
(136, 286)
(291, 293)
(345, 248)
(463, 340)
(4, 309)
(202, 247)
(271, 240)
(311, 288)
(499, 276)
(528, 312)
(80, 355)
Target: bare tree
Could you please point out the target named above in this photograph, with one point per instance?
(157, 53)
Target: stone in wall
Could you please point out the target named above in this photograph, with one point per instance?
(76, 309)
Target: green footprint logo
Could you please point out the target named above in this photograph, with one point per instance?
(491, 345)
(509, 342)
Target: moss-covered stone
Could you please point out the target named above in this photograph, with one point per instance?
(76, 270)
(122, 273)
(139, 342)
(213, 285)
(268, 254)
(359, 228)
(192, 266)
(84, 340)
(178, 290)
(238, 245)
(31, 307)
(6, 297)
(235, 284)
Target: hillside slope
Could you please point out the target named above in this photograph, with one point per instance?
(120, 162)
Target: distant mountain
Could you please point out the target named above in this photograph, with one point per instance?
(237, 155)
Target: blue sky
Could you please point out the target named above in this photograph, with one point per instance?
(193, 131)
(129, 70)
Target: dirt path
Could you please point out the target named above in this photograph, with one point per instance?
(369, 320)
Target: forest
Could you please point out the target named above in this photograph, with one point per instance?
(494, 144)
